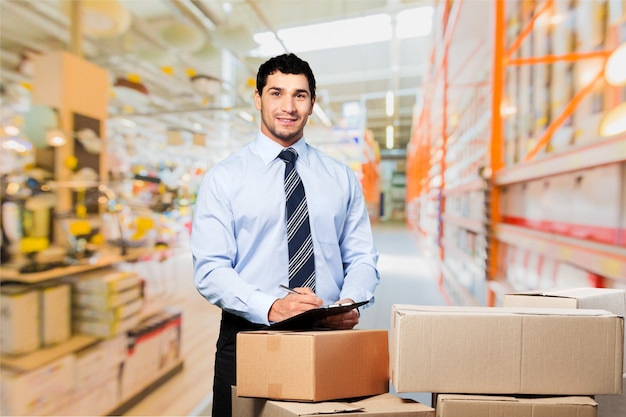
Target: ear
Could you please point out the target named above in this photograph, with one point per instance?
(257, 99)
(312, 104)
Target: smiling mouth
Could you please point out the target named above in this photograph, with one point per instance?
(286, 121)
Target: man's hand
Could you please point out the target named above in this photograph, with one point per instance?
(294, 304)
(342, 321)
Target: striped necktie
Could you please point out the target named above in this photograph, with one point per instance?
(300, 242)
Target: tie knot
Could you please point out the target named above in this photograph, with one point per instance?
(288, 155)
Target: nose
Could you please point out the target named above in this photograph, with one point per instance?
(286, 104)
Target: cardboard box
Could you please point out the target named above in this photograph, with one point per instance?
(20, 322)
(36, 392)
(55, 307)
(114, 314)
(105, 329)
(450, 405)
(105, 301)
(313, 365)
(383, 405)
(609, 299)
(478, 350)
(612, 405)
(106, 283)
(153, 349)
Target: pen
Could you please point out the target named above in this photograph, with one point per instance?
(291, 290)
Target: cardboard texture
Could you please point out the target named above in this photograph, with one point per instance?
(20, 322)
(106, 283)
(478, 350)
(383, 405)
(312, 365)
(612, 405)
(449, 405)
(609, 299)
(55, 310)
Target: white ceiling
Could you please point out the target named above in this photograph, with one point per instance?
(362, 74)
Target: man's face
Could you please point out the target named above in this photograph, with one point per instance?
(285, 107)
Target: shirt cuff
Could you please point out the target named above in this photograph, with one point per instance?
(260, 304)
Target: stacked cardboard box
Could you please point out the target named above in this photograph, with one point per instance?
(610, 299)
(105, 305)
(456, 405)
(382, 405)
(300, 373)
(34, 316)
(508, 351)
(39, 391)
(153, 349)
(20, 322)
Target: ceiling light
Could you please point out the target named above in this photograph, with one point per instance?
(346, 32)
(614, 71)
(55, 138)
(614, 122)
(130, 91)
(246, 116)
(183, 37)
(206, 85)
(414, 22)
(319, 112)
(11, 130)
(389, 142)
(103, 19)
(389, 99)
(235, 38)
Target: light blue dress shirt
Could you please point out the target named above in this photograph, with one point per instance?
(239, 237)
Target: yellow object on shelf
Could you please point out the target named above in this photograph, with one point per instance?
(80, 227)
(33, 244)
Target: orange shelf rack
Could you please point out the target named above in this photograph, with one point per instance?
(440, 188)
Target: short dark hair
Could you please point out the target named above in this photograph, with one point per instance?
(287, 64)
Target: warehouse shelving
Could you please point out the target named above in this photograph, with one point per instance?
(48, 355)
(477, 168)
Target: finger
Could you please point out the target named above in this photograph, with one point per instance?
(304, 290)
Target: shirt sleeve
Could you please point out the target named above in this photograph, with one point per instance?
(214, 252)
(359, 254)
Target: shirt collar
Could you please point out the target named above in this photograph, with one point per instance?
(269, 150)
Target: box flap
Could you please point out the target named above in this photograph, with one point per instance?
(501, 398)
(401, 309)
(322, 408)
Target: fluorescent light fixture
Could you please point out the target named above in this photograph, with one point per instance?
(246, 116)
(389, 98)
(55, 138)
(614, 71)
(614, 122)
(11, 130)
(319, 112)
(414, 22)
(390, 137)
(346, 32)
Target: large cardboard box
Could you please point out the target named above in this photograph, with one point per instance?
(55, 301)
(20, 324)
(478, 350)
(609, 299)
(612, 405)
(36, 392)
(450, 405)
(313, 365)
(383, 405)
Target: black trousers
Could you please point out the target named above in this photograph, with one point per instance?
(225, 362)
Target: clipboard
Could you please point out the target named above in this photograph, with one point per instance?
(308, 319)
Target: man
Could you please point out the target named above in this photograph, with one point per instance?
(246, 225)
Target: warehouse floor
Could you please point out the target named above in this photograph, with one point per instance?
(406, 278)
